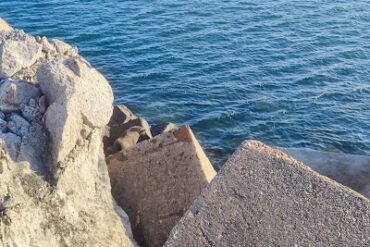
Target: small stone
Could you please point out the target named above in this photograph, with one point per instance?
(161, 128)
(18, 125)
(121, 114)
(42, 104)
(3, 125)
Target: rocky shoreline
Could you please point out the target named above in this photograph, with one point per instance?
(77, 171)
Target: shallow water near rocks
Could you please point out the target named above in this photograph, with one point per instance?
(289, 73)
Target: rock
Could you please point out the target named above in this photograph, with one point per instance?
(12, 144)
(161, 128)
(121, 114)
(77, 94)
(18, 125)
(263, 197)
(4, 26)
(3, 125)
(120, 130)
(130, 138)
(55, 172)
(350, 170)
(14, 93)
(17, 51)
(157, 180)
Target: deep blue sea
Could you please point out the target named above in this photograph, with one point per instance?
(291, 73)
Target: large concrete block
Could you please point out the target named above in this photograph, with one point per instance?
(156, 181)
(263, 197)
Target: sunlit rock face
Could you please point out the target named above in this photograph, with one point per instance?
(264, 197)
(54, 184)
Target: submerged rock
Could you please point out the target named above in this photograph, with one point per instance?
(263, 197)
(157, 180)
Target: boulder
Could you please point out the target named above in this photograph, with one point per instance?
(121, 114)
(77, 94)
(18, 50)
(157, 180)
(161, 128)
(263, 197)
(4, 26)
(54, 182)
(119, 130)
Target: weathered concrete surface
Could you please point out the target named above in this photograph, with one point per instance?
(348, 169)
(263, 197)
(157, 180)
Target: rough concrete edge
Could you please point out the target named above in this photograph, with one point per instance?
(261, 147)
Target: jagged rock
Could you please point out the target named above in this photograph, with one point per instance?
(54, 183)
(263, 197)
(17, 51)
(157, 180)
(3, 125)
(161, 128)
(12, 144)
(130, 138)
(77, 94)
(121, 114)
(4, 26)
(119, 131)
(14, 93)
(18, 125)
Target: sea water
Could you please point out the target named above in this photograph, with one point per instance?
(291, 73)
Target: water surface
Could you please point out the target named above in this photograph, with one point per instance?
(291, 73)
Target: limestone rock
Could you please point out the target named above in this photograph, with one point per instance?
(4, 26)
(15, 93)
(161, 128)
(263, 197)
(17, 51)
(157, 180)
(121, 114)
(77, 94)
(54, 183)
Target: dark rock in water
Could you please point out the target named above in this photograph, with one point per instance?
(121, 114)
(161, 128)
(263, 197)
(156, 181)
(120, 130)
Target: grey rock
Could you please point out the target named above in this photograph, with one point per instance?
(12, 144)
(119, 130)
(121, 114)
(17, 51)
(2, 115)
(3, 125)
(161, 128)
(263, 197)
(14, 93)
(18, 125)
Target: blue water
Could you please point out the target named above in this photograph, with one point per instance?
(291, 73)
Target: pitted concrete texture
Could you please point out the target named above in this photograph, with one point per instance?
(263, 197)
(157, 180)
